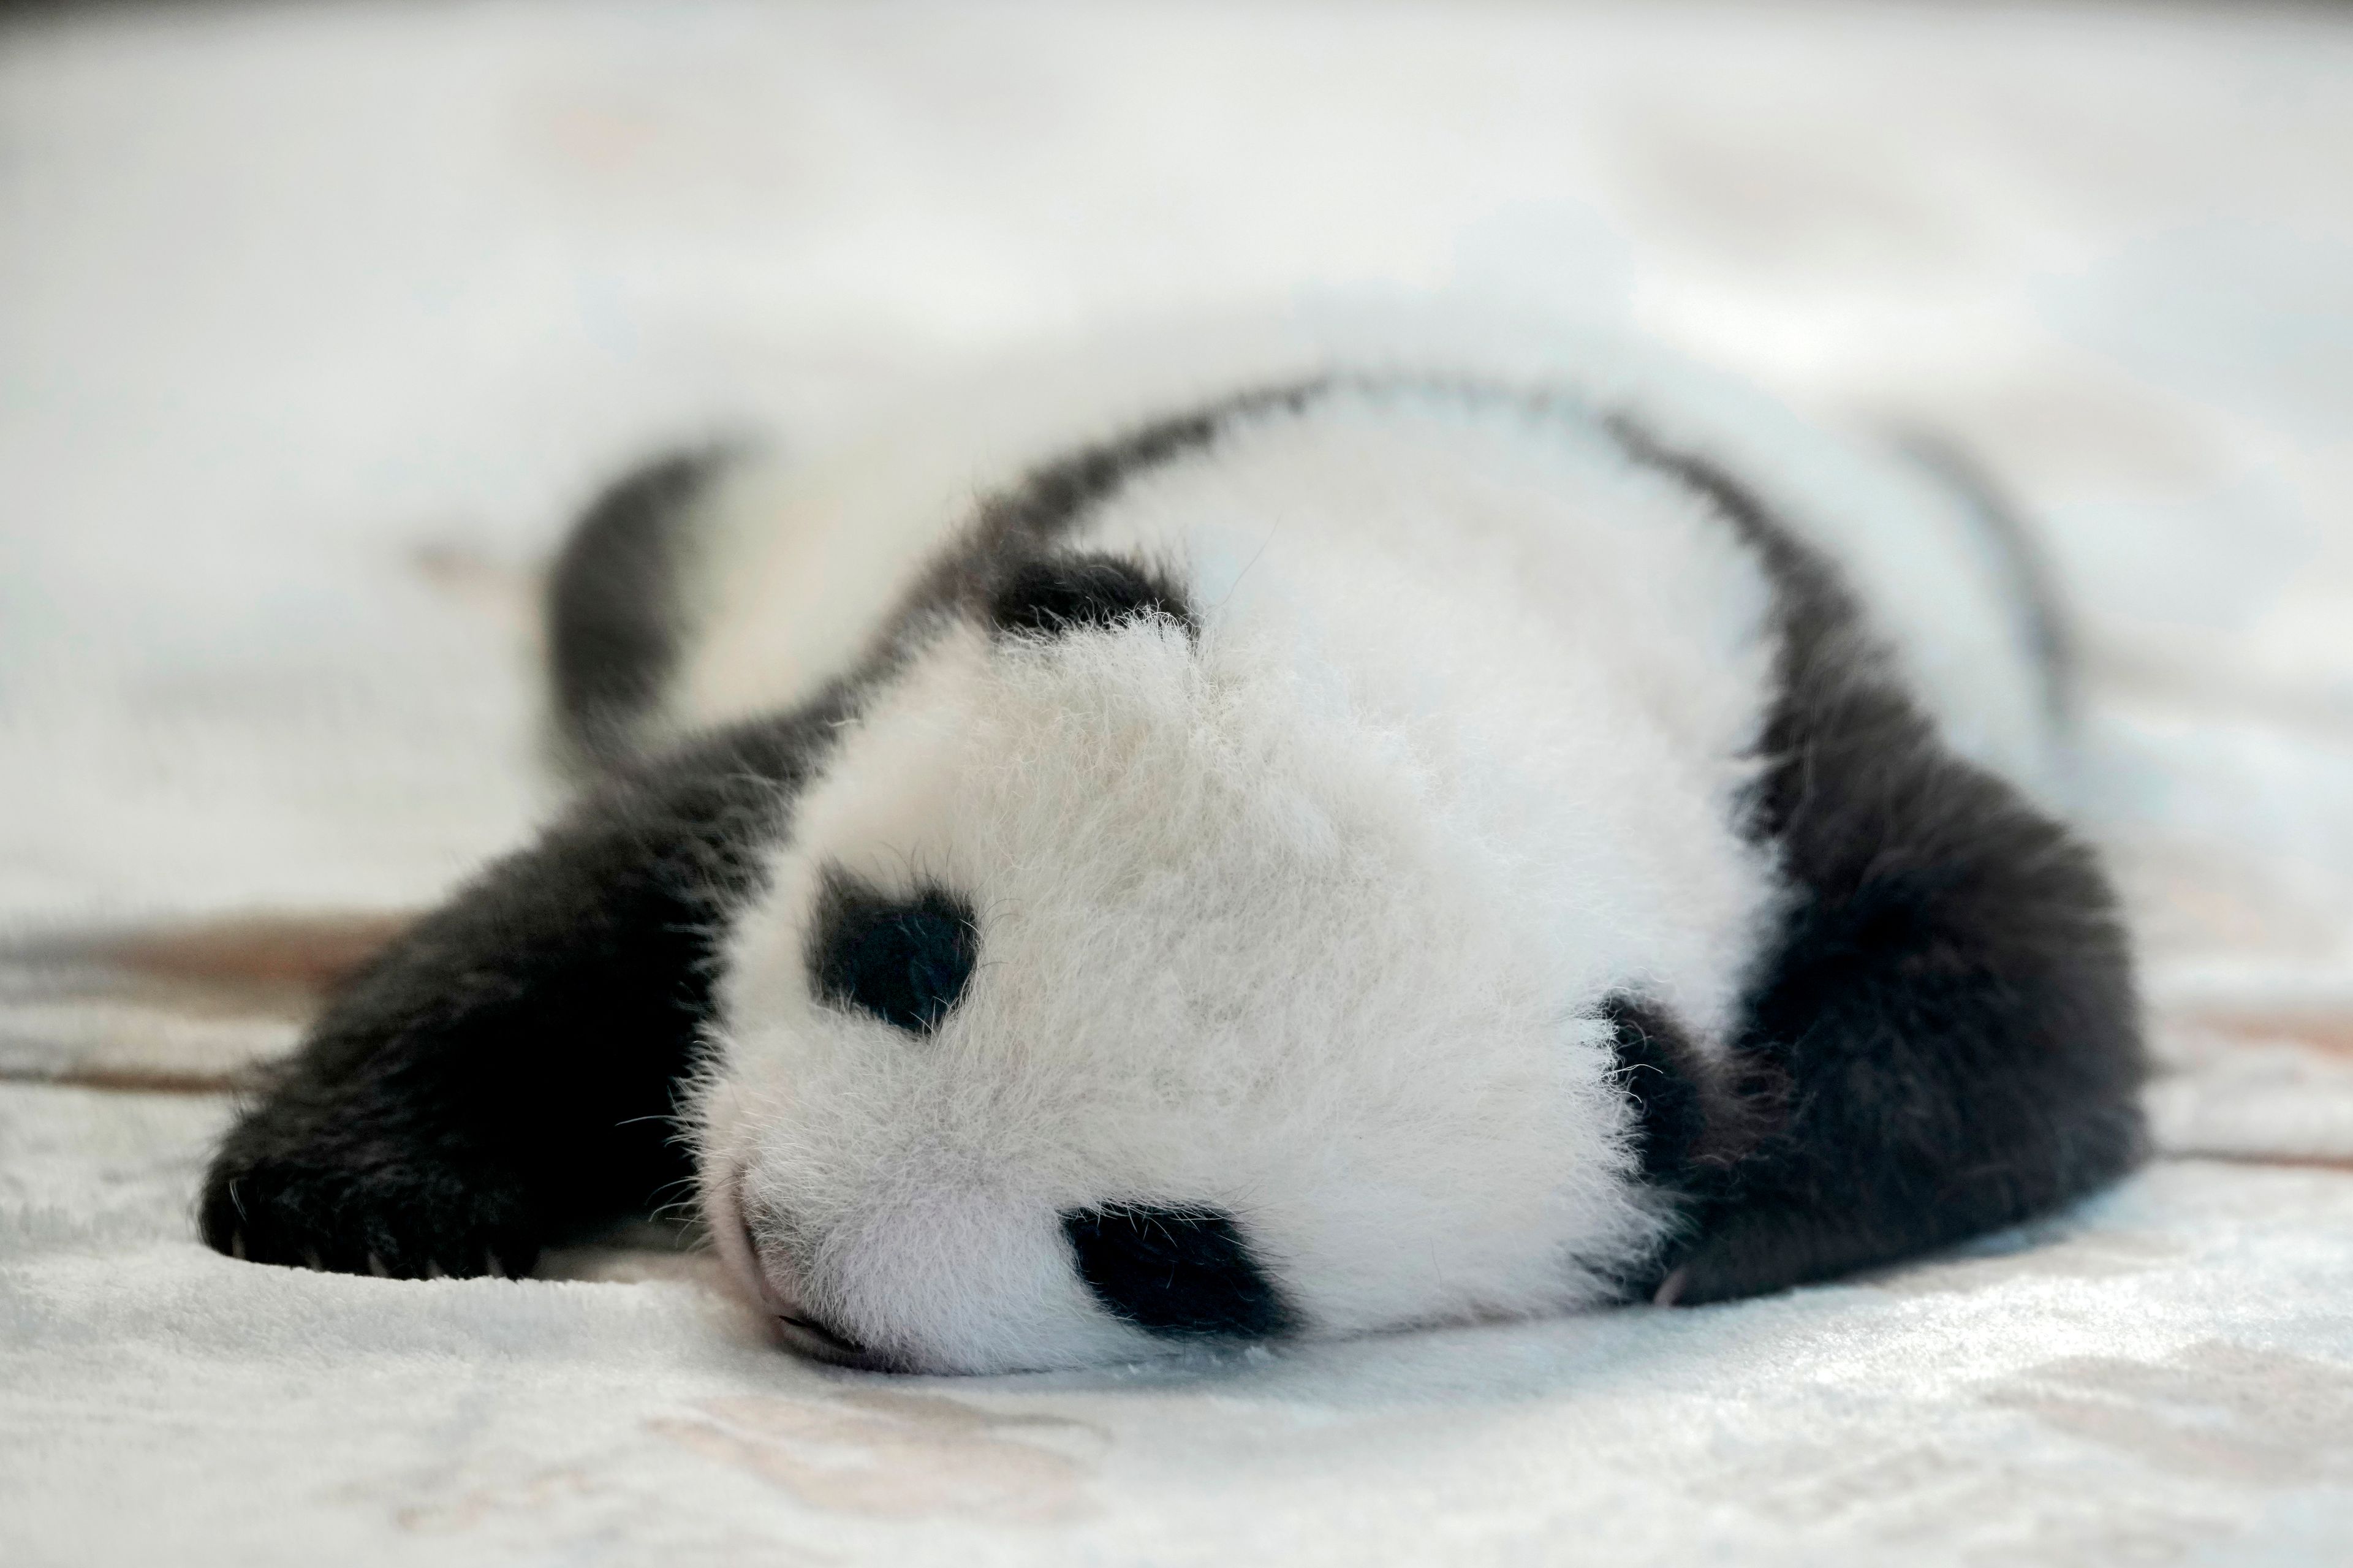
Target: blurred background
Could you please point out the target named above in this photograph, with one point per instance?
(317, 320)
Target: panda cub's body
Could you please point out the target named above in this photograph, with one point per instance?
(1270, 836)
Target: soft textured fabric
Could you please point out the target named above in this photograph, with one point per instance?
(2168, 1373)
(315, 324)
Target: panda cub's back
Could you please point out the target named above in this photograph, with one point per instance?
(795, 559)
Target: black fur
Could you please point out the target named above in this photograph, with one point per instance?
(1658, 1070)
(1949, 1010)
(1055, 498)
(1003, 569)
(616, 617)
(1182, 1273)
(906, 960)
(502, 1073)
(1050, 594)
(1691, 1121)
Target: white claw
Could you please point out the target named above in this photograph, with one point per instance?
(1671, 1288)
(376, 1267)
(433, 1270)
(311, 1260)
(237, 1246)
(491, 1266)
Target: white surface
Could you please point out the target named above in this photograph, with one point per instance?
(314, 322)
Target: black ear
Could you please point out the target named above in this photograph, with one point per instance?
(1049, 596)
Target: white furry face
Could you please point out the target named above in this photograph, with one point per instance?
(1290, 932)
(1228, 960)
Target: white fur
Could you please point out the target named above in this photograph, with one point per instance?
(1310, 920)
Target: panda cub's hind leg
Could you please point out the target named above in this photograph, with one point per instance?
(622, 606)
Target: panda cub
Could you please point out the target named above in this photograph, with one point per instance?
(1222, 841)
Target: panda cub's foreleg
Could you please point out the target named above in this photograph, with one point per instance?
(1943, 1038)
(506, 1071)
(1946, 1042)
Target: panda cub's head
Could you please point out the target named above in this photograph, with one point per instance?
(1117, 986)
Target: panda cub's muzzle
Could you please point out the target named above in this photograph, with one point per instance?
(773, 1284)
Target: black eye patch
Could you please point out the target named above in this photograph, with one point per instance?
(1654, 1062)
(1181, 1273)
(1693, 1123)
(906, 960)
(1052, 595)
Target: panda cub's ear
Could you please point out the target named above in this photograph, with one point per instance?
(1049, 596)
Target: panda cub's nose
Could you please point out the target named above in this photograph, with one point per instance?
(812, 1337)
(770, 1279)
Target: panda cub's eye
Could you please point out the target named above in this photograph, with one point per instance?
(905, 960)
(1182, 1272)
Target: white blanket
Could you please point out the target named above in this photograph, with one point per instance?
(315, 323)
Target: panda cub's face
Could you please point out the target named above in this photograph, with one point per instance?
(1117, 988)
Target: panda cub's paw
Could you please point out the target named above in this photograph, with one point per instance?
(356, 1202)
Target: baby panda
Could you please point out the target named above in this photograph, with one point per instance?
(1233, 838)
